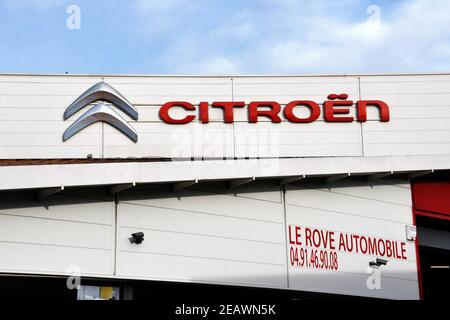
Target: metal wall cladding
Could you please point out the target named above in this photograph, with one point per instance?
(211, 236)
(378, 211)
(32, 107)
(68, 236)
(205, 237)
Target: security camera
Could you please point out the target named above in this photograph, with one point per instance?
(136, 238)
(379, 262)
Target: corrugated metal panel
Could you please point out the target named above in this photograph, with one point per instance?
(202, 237)
(36, 239)
(210, 236)
(31, 108)
(420, 115)
(380, 211)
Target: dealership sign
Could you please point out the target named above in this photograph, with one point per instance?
(335, 109)
(321, 249)
(101, 112)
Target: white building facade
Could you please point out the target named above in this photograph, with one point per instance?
(295, 183)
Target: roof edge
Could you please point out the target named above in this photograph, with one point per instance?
(120, 75)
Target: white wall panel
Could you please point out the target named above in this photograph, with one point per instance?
(42, 259)
(420, 115)
(407, 136)
(157, 139)
(161, 140)
(137, 90)
(357, 210)
(345, 283)
(31, 109)
(362, 203)
(186, 269)
(160, 89)
(203, 246)
(290, 139)
(385, 192)
(155, 218)
(286, 89)
(62, 233)
(248, 191)
(31, 118)
(150, 113)
(208, 237)
(43, 139)
(36, 239)
(204, 238)
(262, 208)
(424, 111)
(347, 223)
(67, 89)
(92, 212)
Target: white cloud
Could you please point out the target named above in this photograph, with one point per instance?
(414, 37)
(305, 36)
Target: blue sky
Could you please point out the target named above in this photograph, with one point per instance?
(225, 36)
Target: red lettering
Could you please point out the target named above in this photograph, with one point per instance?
(332, 247)
(204, 112)
(388, 248)
(296, 240)
(290, 236)
(297, 236)
(331, 111)
(312, 106)
(361, 108)
(334, 108)
(164, 112)
(381, 252)
(228, 108)
(395, 249)
(308, 237)
(342, 242)
(316, 238)
(363, 245)
(403, 250)
(356, 237)
(272, 113)
(372, 247)
(325, 238)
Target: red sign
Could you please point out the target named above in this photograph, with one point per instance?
(335, 109)
(318, 248)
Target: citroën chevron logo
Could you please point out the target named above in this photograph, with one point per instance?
(102, 111)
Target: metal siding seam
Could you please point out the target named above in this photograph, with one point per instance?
(283, 191)
(115, 229)
(103, 140)
(416, 245)
(361, 124)
(233, 129)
